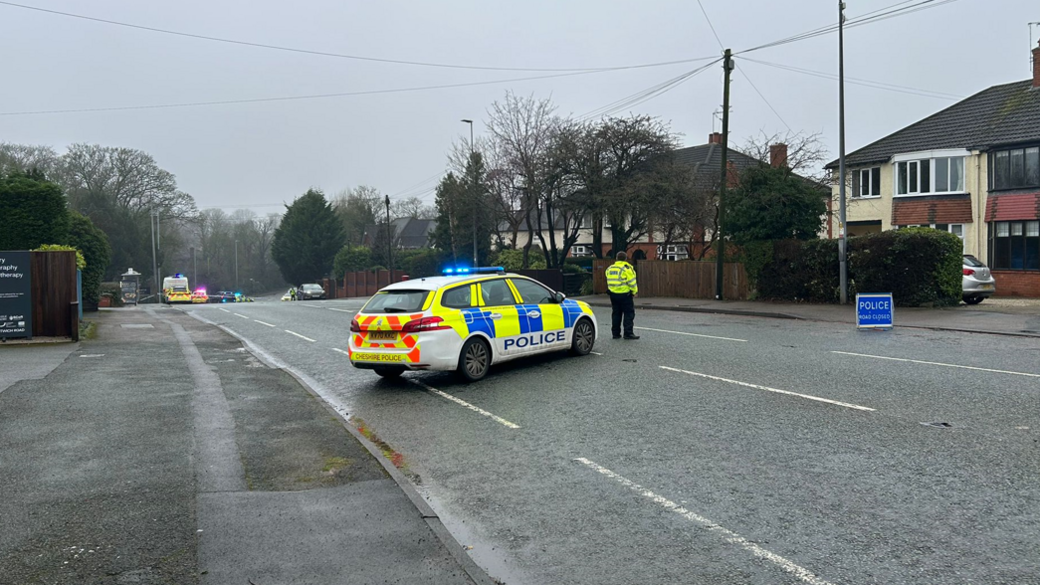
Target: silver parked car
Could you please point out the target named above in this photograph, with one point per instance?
(977, 282)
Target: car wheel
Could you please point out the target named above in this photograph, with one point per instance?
(389, 372)
(584, 337)
(973, 300)
(475, 360)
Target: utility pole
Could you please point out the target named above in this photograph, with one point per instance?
(843, 273)
(389, 241)
(473, 191)
(236, 265)
(152, 220)
(195, 265)
(727, 66)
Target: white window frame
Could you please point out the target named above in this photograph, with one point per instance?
(929, 157)
(869, 174)
(581, 251)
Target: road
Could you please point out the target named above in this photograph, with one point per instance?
(717, 449)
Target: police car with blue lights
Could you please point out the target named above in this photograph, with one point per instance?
(466, 321)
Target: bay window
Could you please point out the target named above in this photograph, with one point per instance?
(930, 175)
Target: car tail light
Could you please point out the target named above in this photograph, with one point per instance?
(354, 326)
(425, 324)
(968, 272)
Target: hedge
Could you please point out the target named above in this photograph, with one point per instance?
(919, 266)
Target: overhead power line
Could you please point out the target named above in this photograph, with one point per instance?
(293, 98)
(863, 82)
(646, 94)
(342, 55)
(879, 15)
(710, 25)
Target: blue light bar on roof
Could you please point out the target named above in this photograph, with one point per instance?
(468, 270)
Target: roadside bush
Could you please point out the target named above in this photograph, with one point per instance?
(569, 268)
(514, 259)
(350, 259)
(80, 262)
(920, 267)
(423, 263)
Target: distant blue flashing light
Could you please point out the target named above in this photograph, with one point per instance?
(467, 270)
(178, 275)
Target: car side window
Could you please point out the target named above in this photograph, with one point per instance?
(496, 292)
(532, 293)
(457, 298)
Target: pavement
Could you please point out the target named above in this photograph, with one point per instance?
(163, 451)
(997, 315)
(721, 449)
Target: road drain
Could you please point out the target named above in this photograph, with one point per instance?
(940, 425)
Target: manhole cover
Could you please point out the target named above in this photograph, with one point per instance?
(940, 425)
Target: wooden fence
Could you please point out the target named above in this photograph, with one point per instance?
(687, 280)
(363, 283)
(54, 309)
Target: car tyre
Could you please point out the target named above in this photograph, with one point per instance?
(583, 338)
(474, 360)
(973, 300)
(389, 373)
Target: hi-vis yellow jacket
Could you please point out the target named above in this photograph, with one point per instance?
(621, 278)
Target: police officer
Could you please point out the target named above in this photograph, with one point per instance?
(622, 287)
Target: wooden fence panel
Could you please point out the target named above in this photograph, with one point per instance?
(53, 292)
(687, 280)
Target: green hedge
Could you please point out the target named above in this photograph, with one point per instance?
(919, 266)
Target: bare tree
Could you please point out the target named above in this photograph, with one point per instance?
(359, 209)
(806, 153)
(412, 207)
(26, 157)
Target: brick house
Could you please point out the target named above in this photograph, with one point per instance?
(972, 169)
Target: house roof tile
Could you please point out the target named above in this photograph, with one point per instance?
(1014, 206)
(1002, 114)
(926, 211)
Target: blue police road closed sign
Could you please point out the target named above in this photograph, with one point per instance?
(875, 311)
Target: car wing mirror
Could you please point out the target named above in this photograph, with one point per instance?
(559, 297)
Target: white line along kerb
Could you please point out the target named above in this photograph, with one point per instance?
(691, 334)
(240, 315)
(881, 357)
(768, 389)
(462, 402)
(263, 323)
(728, 535)
(304, 337)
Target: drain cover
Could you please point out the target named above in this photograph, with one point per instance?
(940, 425)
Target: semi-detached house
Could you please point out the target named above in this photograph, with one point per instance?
(972, 169)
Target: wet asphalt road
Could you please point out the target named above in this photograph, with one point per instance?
(674, 459)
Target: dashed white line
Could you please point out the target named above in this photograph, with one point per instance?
(240, 315)
(691, 334)
(768, 389)
(346, 353)
(595, 353)
(300, 336)
(343, 310)
(223, 309)
(881, 357)
(263, 323)
(462, 402)
(312, 306)
(728, 535)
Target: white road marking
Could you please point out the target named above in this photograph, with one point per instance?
(595, 353)
(728, 535)
(92, 355)
(300, 336)
(344, 310)
(312, 306)
(768, 389)
(263, 323)
(690, 334)
(462, 402)
(223, 309)
(881, 357)
(240, 315)
(346, 353)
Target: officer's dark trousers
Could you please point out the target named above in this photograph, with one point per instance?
(622, 305)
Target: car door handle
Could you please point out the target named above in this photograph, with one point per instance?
(496, 316)
(534, 314)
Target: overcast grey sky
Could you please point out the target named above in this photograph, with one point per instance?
(262, 154)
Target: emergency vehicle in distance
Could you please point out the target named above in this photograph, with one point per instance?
(175, 289)
(465, 321)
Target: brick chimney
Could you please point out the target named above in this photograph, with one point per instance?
(715, 138)
(1036, 66)
(778, 155)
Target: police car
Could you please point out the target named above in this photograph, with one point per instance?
(466, 321)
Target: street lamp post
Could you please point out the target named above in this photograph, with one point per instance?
(389, 241)
(236, 265)
(473, 191)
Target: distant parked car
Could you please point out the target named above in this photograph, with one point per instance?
(308, 292)
(223, 296)
(977, 282)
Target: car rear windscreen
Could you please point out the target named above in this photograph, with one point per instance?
(397, 301)
(972, 261)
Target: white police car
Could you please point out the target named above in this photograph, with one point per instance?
(466, 321)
